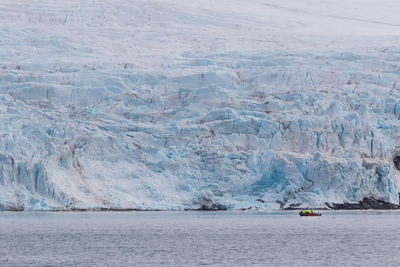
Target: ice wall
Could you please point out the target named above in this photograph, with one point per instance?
(94, 115)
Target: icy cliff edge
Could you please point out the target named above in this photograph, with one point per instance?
(265, 130)
(198, 104)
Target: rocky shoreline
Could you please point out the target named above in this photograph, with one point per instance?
(368, 203)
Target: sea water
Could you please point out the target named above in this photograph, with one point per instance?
(199, 238)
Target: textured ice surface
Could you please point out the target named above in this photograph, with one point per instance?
(188, 104)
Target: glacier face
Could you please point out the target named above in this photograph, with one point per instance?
(151, 105)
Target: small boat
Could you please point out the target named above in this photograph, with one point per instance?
(309, 213)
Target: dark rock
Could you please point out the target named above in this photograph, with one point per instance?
(293, 206)
(281, 204)
(117, 209)
(214, 206)
(365, 204)
(10, 207)
(206, 203)
(396, 162)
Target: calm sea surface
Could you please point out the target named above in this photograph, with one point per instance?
(199, 238)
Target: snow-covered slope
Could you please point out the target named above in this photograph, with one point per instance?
(184, 104)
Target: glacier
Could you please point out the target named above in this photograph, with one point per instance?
(172, 105)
